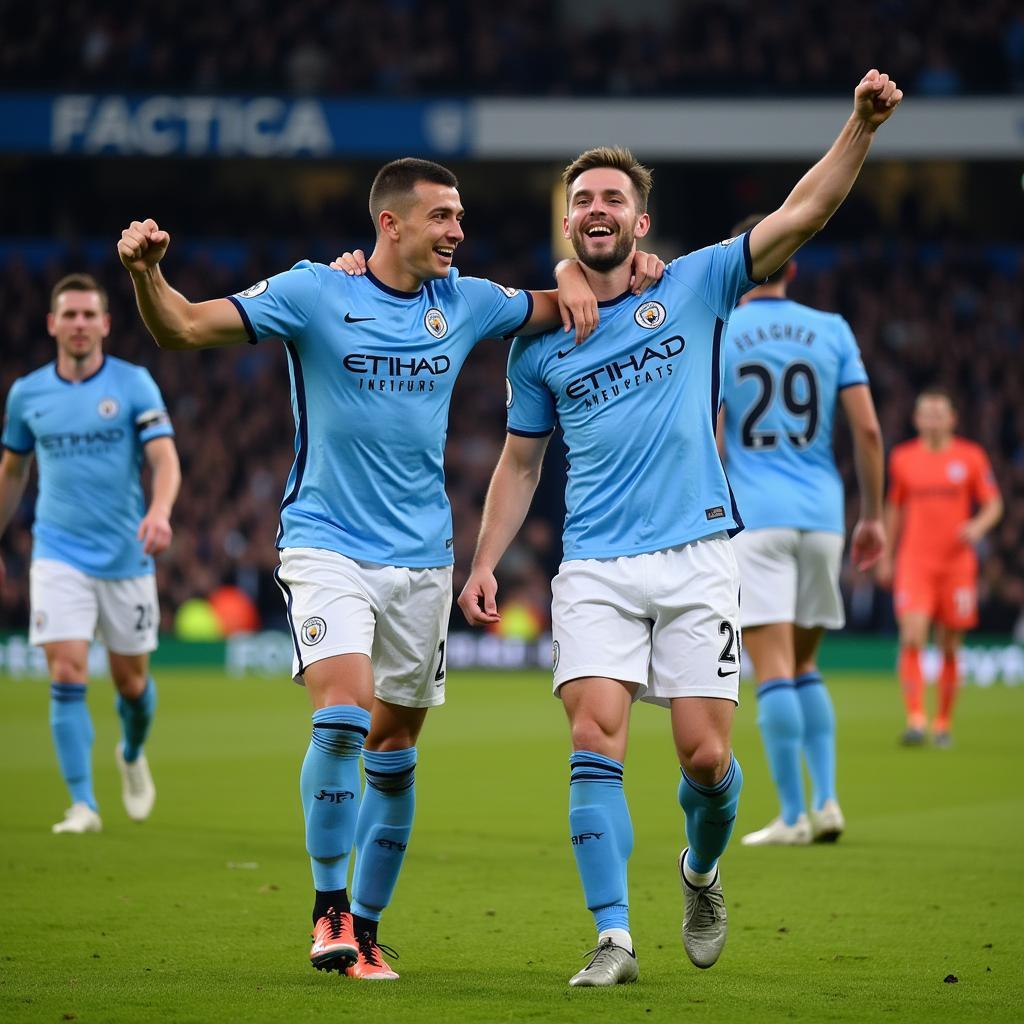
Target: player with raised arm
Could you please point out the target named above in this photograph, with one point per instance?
(785, 368)
(366, 534)
(90, 419)
(943, 499)
(646, 604)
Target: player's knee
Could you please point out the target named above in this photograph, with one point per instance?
(67, 669)
(129, 683)
(590, 734)
(708, 762)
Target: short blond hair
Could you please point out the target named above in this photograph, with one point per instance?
(618, 158)
(79, 283)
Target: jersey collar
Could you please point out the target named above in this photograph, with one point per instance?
(387, 289)
(95, 373)
(605, 303)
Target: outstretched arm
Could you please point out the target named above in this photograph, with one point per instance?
(508, 500)
(821, 191)
(867, 544)
(173, 321)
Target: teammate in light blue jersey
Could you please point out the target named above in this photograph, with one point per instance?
(366, 538)
(90, 419)
(785, 368)
(645, 604)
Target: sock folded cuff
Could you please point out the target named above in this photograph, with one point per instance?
(586, 766)
(389, 771)
(343, 715)
(771, 685)
(719, 787)
(808, 679)
(68, 693)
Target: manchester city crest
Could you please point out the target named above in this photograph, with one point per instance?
(650, 314)
(254, 289)
(435, 322)
(313, 630)
(108, 408)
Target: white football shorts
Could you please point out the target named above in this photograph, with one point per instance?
(790, 576)
(67, 604)
(396, 616)
(667, 620)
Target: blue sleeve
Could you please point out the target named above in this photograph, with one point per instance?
(718, 273)
(497, 312)
(16, 435)
(281, 306)
(531, 406)
(851, 365)
(148, 409)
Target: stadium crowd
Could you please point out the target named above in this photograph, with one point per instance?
(519, 47)
(922, 315)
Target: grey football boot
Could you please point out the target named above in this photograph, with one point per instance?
(609, 965)
(705, 922)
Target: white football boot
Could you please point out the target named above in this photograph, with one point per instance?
(778, 833)
(609, 965)
(137, 790)
(827, 824)
(79, 818)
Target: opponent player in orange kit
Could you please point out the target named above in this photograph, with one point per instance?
(942, 500)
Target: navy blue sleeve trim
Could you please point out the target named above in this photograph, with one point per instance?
(245, 319)
(748, 259)
(530, 433)
(854, 384)
(17, 451)
(526, 319)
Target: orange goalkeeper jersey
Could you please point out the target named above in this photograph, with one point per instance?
(937, 492)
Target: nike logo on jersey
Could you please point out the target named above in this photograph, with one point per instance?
(567, 352)
(350, 319)
(724, 674)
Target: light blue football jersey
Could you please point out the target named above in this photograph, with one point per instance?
(784, 366)
(637, 403)
(372, 371)
(88, 438)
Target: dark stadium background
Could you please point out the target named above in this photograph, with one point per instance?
(925, 260)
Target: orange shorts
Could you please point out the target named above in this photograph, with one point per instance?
(946, 595)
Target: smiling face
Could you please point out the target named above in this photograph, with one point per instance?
(427, 229)
(603, 220)
(78, 323)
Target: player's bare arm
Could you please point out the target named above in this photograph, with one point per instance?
(508, 500)
(14, 468)
(174, 322)
(867, 544)
(892, 518)
(983, 520)
(821, 191)
(155, 528)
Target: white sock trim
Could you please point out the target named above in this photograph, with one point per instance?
(697, 878)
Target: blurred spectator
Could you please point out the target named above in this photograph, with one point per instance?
(517, 47)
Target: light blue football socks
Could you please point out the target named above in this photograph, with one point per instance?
(782, 728)
(819, 738)
(73, 735)
(329, 785)
(136, 717)
(383, 828)
(602, 836)
(710, 816)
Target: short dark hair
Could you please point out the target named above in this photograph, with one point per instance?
(743, 227)
(936, 391)
(396, 181)
(618, 158)
(79, 283)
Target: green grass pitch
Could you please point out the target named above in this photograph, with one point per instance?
(201, 914)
